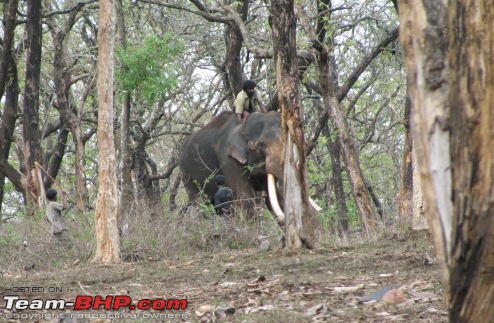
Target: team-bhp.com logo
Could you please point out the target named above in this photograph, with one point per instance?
(85, 302)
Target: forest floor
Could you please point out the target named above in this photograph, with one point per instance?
(329, 284)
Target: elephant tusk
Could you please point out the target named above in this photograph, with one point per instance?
(274, 199)
(314, 205)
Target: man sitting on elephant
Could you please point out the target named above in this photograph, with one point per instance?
(246, 100)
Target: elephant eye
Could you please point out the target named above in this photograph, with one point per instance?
(261, 145)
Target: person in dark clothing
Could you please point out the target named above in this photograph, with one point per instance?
(223, 197)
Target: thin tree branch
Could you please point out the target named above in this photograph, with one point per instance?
(343, 91)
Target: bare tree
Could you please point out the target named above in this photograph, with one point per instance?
(327, 79)
(451, 84)
(63, 80)
(107, 238)
(9, 83)
(9, 18)
(299, 230)
(126, 187)
(32, 141)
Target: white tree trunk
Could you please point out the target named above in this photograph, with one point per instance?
(299, 228)
(449, 59)
(427, 72)
(107, 239)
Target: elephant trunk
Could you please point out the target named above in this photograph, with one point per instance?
(273, 199)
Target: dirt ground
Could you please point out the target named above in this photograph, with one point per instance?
(329, 284)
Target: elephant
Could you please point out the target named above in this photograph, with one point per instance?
(249, 155)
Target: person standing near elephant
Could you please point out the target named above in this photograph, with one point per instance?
(54, 215)
(223, 198)
(246, 101)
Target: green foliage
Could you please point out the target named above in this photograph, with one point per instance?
(353, 218)
(251, 168)
(9, 187)
(207, 209)
(148, 69)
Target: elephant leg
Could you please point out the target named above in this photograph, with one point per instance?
(244, 193)
(246, 200)
(191, 189)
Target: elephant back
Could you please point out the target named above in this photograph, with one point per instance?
(198, 157)
(211, 133)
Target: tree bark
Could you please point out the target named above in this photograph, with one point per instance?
(126, 186)
(423, 29)
(350, 156)
(328, 82)
(337, 182)
(7, 126)
(405, 198)
(53, 160)
(62, 80)
(233, 65)
(299, 229)
(471, 101)
(107, 237)
(9, 84)
(31, 134)
(452, 92)
(9, 20)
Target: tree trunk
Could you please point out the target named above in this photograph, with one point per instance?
(328, 81)
(126, 187)
(234, 42)
(234, 75)
(453, 131)
(405, 198)
(423, 36)
(7, 126)
(107, 238)
(9, 84)
(471, 103)
(350, 156)
(147, 187)
(31, 134)
(299, 229)
(53, 161)
(9, 20)
(62, 85)
(337, 183)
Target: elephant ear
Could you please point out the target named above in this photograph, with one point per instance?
(237, 147)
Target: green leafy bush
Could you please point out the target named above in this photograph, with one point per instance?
(149, 69)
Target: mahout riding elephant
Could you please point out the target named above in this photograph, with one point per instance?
(246, 154)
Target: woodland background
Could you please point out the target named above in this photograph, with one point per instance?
(177, 65)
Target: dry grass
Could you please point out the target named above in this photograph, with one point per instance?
(29, 245)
